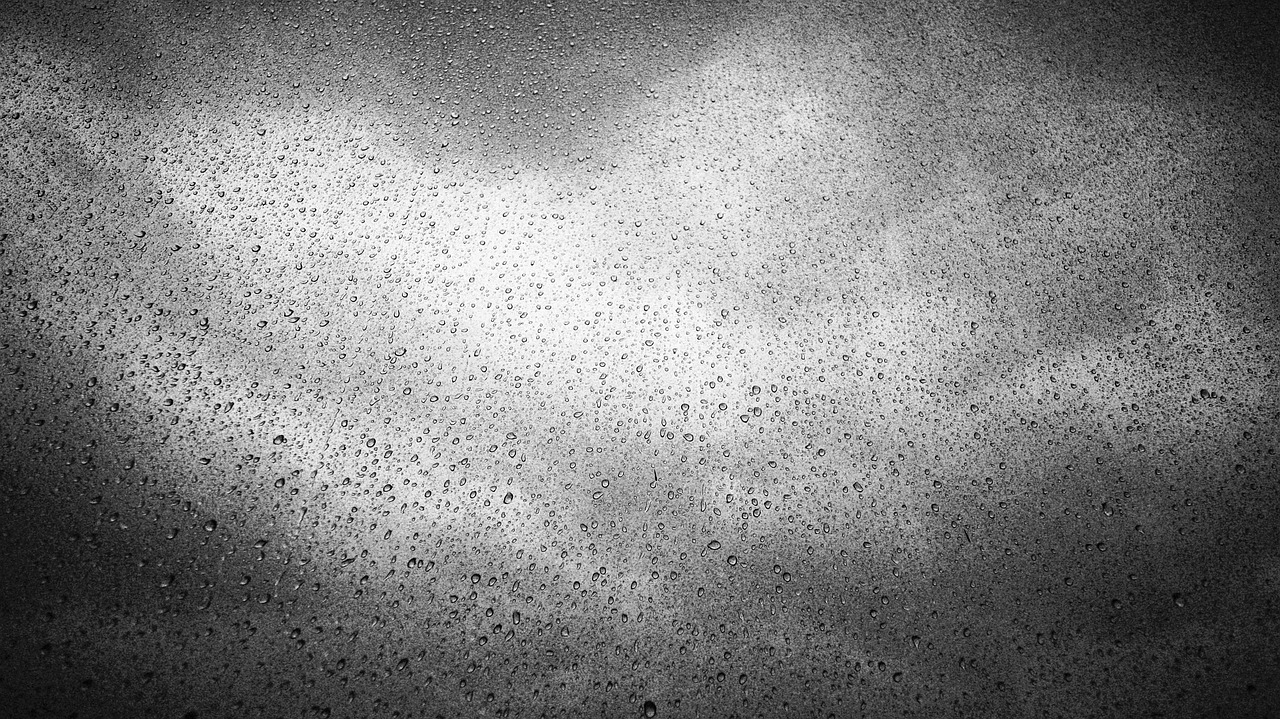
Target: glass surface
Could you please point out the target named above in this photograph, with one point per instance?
(666, 359)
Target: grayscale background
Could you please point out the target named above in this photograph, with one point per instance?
(687, 359)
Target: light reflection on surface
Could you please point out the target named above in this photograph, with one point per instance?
(965, 363)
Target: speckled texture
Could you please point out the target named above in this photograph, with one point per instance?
(675, 359)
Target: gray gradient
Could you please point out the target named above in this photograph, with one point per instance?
(746, 359)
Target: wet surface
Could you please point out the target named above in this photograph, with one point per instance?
(674, 359)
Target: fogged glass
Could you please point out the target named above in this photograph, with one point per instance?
(666, 359)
